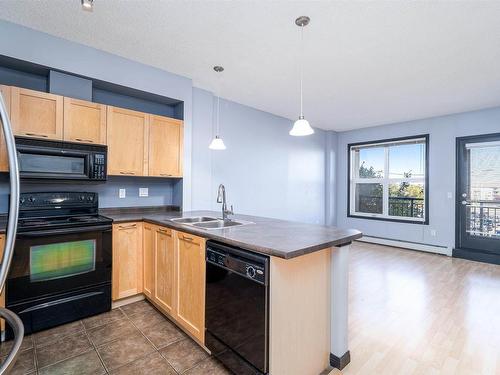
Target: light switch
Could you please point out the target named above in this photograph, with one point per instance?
(122, 193)
(450, 195)
(433, 232)
(143, 192)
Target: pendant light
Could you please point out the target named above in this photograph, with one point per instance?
(217, 143)
(301, 127)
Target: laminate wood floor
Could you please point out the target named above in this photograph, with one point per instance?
(416, 313)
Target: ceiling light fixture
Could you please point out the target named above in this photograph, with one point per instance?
(217, 143)
(88, 5)
(301, 127)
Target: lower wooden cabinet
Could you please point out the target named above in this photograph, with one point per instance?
(190, 283)
(127, 260)
(174, 276)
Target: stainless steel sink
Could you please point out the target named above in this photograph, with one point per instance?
(194, 219)
(219, 224)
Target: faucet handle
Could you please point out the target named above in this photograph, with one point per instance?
(231, 211)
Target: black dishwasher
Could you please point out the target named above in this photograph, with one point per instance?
(237, 308)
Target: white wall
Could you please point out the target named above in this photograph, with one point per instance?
(266, 171)
(443, 132)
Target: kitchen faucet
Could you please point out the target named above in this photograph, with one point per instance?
(221, 198)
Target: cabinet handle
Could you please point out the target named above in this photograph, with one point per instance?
(187, 238)
(165, 174)
(129, 173)
(127, 226)
(84, 140)
(37, 135)
(166, 231)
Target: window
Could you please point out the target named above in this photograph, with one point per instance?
(388, 179)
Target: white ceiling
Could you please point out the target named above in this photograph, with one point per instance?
(367, 62)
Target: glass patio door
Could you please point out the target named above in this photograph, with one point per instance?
(478, 195)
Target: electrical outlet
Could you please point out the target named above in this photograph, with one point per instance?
(143, 192)
(122, 193)
(433, 232)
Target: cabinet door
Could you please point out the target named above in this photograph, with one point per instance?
(190, 283)
(4, 161)
(164, 269)
(36, 114)
(165, 146)
(127, 260)
(148, 234)
(84, 121)
(127, 134)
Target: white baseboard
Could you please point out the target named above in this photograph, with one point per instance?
(407, 245)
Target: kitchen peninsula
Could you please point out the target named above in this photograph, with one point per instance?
(308, 278)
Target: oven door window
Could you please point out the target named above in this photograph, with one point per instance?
(46, 264)
(52, 165)
(59, 260)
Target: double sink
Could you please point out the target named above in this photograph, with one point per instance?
(208, 222)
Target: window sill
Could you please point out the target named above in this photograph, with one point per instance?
(426, 222)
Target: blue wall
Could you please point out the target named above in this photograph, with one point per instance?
(30, 45)
(443, 132)
(265, 170)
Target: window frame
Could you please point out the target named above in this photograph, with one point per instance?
(385, 181)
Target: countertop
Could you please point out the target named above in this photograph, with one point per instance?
(280, 238)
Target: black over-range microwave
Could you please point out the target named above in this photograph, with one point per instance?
(55, 160)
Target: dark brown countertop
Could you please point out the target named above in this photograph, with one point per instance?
(280, 238)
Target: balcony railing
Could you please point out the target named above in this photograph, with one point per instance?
(398, 206)
(483, 219)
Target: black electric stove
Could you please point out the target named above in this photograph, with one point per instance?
(61, 267)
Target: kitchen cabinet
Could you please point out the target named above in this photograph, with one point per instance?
(164, 269)
(4, 161)
(127, 279)
(127, 138)
(148, 235)
(190, 283)
(165, 146)
(36, 114)
(84, 121)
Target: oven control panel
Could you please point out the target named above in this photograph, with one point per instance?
(30, 201)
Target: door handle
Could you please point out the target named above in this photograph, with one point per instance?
(37, 135)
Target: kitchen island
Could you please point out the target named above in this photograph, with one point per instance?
(308, 282)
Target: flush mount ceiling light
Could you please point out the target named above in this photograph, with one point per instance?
(88, 5)
(301, 127)
(217, 143)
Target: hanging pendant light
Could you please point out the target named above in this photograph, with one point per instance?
(301, 127)
(217, 143)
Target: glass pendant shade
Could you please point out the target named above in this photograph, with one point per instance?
(217, 144)
(301, 127)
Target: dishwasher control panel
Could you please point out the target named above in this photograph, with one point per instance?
(249, 267)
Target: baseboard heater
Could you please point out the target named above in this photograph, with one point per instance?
(407, 245)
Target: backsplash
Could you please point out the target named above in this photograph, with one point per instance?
(161, 191)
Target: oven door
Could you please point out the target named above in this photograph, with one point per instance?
(53, 163)
(50, 262)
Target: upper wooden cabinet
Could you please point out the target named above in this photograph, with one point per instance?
(4, 162)
(127, 136)
(36, 114)
(84, 121)
(190, 283)
(127, 260)
(165, 146)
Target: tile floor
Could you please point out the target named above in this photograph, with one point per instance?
(133, 339)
